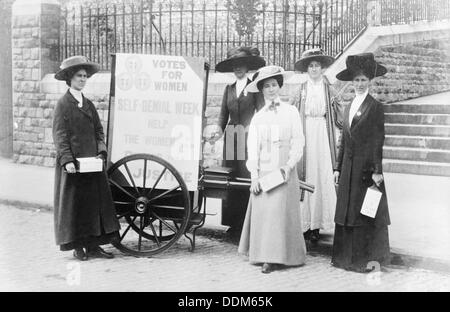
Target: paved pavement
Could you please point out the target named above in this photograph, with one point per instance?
(30, 261)
(419, 207)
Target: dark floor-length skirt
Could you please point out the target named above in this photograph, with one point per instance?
(361, 247)
(234, 206)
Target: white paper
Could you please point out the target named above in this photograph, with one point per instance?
(90, 164)
(271, 180)
(371, 202)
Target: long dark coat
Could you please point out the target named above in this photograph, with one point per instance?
(83, 205)
(360, 155)
(236, 111)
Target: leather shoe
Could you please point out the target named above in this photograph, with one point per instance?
(307, 235)
(267, 268)
(315, 236)
(98, 252)
(80, 254)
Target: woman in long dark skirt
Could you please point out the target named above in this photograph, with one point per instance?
(360, 242)
(84, 213)
(237, 110)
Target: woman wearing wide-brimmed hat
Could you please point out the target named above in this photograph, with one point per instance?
(272, 234)
(359, 240)
(83, 208)
(321, 115)
(238, 108)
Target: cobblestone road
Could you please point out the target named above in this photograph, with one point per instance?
(29, 261)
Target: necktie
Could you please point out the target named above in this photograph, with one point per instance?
(273, 106)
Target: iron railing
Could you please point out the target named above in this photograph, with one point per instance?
(283, 29)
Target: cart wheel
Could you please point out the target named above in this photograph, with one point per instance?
(155, 205)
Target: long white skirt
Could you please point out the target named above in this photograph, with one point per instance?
(319, 207)
(272, 226)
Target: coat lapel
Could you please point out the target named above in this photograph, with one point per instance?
(361, 112)
(233, 91)
(346, 126)
(84, 109)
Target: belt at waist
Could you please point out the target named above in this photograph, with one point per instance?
(315, 117)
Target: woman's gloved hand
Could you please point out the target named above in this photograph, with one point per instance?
(70, 167)
(255, 188)
(286, 170)
(377, 178)
(336, 177)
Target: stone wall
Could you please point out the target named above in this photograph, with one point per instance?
(35, 34)
(414, 70)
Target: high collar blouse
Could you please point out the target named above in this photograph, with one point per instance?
(355, 105)
(240, 85)
(77, 95)
(270, 129)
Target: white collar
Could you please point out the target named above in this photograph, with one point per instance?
(76, 93)
(362, 96)
(315, 83)
(268, 102)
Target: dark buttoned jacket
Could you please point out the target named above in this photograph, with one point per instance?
(83, 205)
(360, 155)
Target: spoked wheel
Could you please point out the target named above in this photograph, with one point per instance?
(152, 204)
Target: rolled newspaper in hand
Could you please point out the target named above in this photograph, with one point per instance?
(307, 187)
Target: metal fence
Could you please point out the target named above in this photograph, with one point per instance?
(282, 29)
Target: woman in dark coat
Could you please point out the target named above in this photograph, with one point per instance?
(360, 241)
(238, 108)
(84, 211)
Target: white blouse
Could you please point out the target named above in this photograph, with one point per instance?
(356, 104)
(271, 130)
(315, 99)
(240, 85)
(77, 95)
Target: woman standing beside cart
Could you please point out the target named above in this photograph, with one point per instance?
(238, 108)
(272, 228)
(360, 239)
(321, 116)
(84, 213)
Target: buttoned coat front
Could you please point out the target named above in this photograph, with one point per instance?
(83, 205)
(360, 155)
(235, 115)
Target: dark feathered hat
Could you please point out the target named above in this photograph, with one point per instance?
(361, 63)
(245, 55)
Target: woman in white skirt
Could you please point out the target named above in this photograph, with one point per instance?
(272, 234)
(321, 117)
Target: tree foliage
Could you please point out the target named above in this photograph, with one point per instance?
(245, 14)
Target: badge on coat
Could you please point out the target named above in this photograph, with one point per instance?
(358, 113)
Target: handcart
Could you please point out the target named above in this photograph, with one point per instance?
(155, 170)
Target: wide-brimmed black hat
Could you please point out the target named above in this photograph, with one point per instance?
(245, 55)
(73, 62)
(313, 55)
(361, 63)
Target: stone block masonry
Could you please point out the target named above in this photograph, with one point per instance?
(35, 34)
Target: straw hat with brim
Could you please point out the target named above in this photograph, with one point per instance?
(264, 73)
(313, 55)
(74, 62)
(241, 55)
(361, 63)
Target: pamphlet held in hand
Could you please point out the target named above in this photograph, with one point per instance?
(272, 180)
(371, 202)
